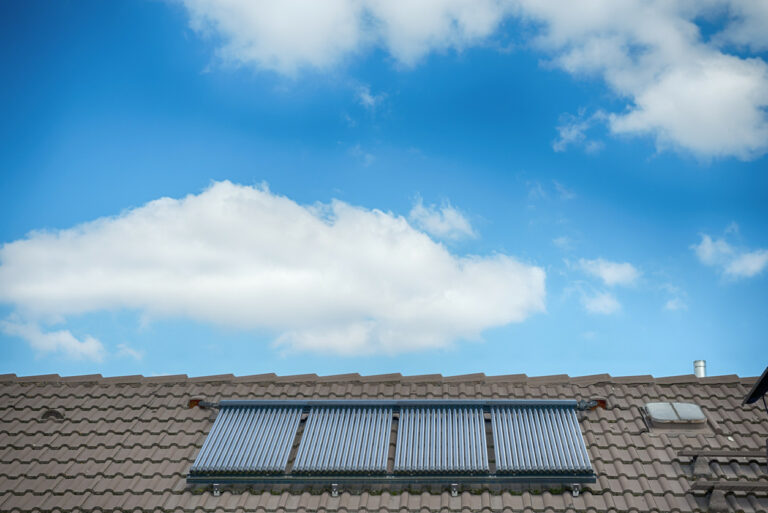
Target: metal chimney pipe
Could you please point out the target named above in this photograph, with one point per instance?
(700, 368)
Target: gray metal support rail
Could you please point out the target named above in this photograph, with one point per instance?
(395, 404)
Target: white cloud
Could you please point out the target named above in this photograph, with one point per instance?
(564, 192)
(443, 222)
(290, 35)
(747, 265)
(61, 341)
(685, 92)
(369, 100)
(733, 262)
(333, 277)
(675, 304)
(681, 90)
(125, 350)
(281, 36)
(536, 191)
(572, 131)
(593, 146)
(367, 158)
(676, 297)
(410, 30)
(603, 303)
(713, 106)
(612, 273)
(747, 28)
(713, 252)
(563, 242)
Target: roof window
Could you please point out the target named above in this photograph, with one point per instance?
(675, 414)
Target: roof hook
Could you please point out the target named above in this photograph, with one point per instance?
(592, 404)
(201, 403)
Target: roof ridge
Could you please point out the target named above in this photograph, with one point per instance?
(474, 377)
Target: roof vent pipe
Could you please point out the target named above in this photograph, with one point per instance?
(700, 368)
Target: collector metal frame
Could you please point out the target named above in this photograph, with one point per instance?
(390, 479)
(395, 404)
(436, 479)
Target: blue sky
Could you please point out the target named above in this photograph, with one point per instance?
(202, 188)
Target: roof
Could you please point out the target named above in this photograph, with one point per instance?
(127, 443)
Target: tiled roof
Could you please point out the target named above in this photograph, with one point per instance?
(126, 443)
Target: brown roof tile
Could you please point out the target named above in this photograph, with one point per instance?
(507, 378)
(256, 378)
(685, 378)
(206, 379)
(545, 380)
(726, 378)
(39, 378)
(123, 379)
(170, 378)
(382, 378)
(589, 380)
(338, 378)
(464, 378)
(297, 378)
(86, 378)
(423, 378)
(643, 378)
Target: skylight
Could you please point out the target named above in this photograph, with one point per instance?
(675, 413)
